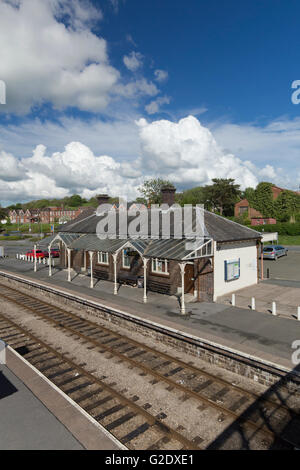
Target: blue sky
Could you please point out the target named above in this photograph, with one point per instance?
(235, 58)
(103, 94)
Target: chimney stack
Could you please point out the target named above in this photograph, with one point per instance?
(102, 199)
(168, 195)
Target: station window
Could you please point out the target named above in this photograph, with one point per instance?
(160, 266)
(125, 260)
(102, 257)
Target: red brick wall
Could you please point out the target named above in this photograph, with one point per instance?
(203, 270)
(263, 221)
(242, 203)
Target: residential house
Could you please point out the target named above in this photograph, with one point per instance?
(243, 207)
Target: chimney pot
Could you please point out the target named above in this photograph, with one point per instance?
(102, 199)
(168, 195)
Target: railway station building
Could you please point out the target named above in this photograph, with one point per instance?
(216, 256)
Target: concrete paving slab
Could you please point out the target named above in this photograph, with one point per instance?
(84, 431)
(25, 423)
(287, 298)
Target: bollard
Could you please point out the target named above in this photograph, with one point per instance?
(40, 260)
(298, 314)
(268, 273)
(17, 256)
(253, 303)
(274, 308)
(233, 300)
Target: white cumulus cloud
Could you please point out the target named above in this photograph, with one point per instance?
(45, 60)
(154, 106)
(50, 54)
(133, 61)
(188, 154)
(160, 75)
(184, 152)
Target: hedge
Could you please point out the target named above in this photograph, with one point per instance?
(283, 228)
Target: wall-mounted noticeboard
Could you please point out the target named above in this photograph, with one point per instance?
(232, 269)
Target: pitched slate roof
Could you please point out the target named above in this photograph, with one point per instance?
(223, 230)
(93, 243)
(216, 227)
(88, 211)
(168, 249)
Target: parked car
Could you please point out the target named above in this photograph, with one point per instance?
(55, 253)
(274, 252)
(39, 254)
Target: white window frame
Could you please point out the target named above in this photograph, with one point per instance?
(159, 266)
(123, 260)
(101, 255)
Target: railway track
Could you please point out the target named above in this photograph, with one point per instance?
(249, 412)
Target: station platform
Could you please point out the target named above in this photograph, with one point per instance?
(254, 334)
(34, 415)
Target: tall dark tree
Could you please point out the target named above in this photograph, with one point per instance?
(222, 195)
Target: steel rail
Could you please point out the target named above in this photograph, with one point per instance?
(152, 420)
(58, 323)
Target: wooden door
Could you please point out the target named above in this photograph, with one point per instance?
(189, 279)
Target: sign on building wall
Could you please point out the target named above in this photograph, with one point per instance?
(232, 269)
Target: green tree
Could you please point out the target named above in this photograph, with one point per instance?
(75, 201)
(194, 196)
(264, 201)
(3, 212)
(222, 195)
(151, 190)
(249, 194)
(287, 206)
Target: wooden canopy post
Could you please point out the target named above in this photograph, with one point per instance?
(91, 253)
(182, 270)
(115, 255)
(49, 260)
(145, 262)
(69, 264)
